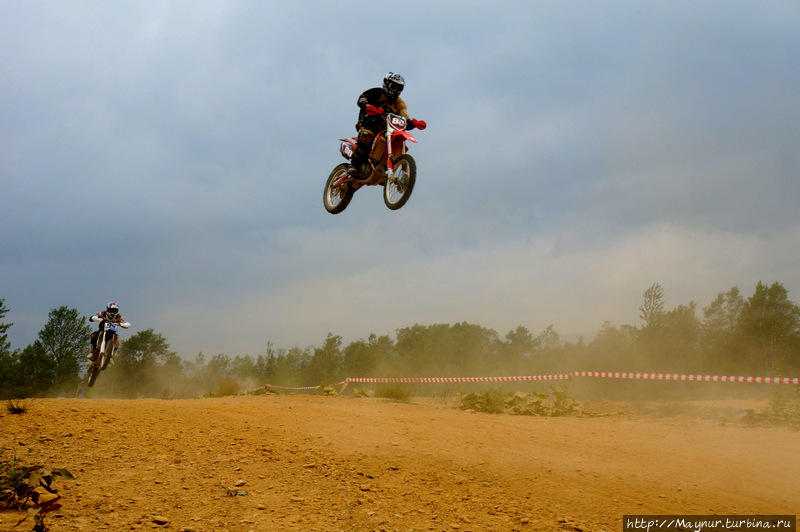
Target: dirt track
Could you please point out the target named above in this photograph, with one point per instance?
(336, 463)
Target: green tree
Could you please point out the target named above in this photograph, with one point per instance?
(288, 367)
(770, 322)
(548, 338)
(5, 345)
(358, 360)
(678, 340)
(264, 367)
(38, 371)
(219, 366)
(173, 365)
(325, 363)
(8, 363)
(652, 309)
(723, 313)
(243, 367)
(138, 363)
(362, 358)
(265, 364)
(550, 352)
(719, 339)
(519, 345)
(614, 349)
(521, 338)
(143, 349)
(448, 349)
(651, 335)
(65, 339)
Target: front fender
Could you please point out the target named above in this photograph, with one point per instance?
(404, 135)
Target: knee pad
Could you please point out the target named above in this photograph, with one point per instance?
(365, 136)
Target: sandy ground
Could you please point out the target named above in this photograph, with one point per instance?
(339, 463)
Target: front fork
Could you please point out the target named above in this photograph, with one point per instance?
(389, 155)
(101, 348)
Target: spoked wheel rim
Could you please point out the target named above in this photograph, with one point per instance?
(91, 374)
(398, 182)
(106, 358)
(335, 193)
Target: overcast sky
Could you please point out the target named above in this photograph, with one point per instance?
(171, 156)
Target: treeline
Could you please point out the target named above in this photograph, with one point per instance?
(733, 335)
(52, 363)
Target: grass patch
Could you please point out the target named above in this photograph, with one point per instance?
(362, 392)
(16, 407)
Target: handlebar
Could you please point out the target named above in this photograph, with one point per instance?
(123, 324)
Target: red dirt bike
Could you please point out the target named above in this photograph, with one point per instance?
(395, 171)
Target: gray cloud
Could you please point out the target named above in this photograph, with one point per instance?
(172, 157)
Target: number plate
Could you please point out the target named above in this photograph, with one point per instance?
(398, 122)
(347, 149)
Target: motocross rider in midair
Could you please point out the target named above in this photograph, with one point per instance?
(111, 313)
(373, 103)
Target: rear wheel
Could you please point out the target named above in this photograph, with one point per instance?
(399, 185)
(337, 195)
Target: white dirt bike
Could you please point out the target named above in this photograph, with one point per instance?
(105, 348)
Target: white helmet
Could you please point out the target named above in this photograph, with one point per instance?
(393, 84)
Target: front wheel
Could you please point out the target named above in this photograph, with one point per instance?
(399, 185)
(91, 375)
(337, 196)
(107, 355)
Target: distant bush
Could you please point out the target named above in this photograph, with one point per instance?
(784, 408)
(224, 388)
(396, 392)
(263, 390)
(556, 403)
(491, 401)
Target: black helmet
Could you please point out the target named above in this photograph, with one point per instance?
(112, 309)
(393, 84)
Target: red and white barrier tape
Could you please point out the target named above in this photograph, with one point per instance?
(604, 374)
(685, 377)
(299, 387)
(290, 387)
(458, 379)
(557, 377)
